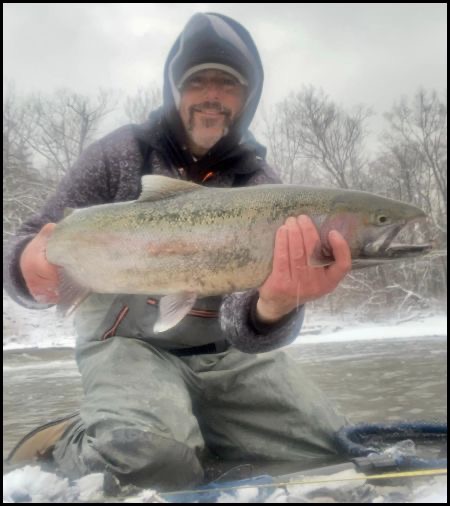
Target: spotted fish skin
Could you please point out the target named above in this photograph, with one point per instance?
(179, 237)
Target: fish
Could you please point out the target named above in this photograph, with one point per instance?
(184, 241)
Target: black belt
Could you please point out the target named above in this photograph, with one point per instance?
(218, 347)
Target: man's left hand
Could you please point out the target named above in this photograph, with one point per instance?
(294, 280)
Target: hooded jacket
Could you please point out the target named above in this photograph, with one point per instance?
(110, 170)
(209, 38)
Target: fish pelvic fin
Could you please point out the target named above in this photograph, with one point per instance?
(71, 293)
(172, 309)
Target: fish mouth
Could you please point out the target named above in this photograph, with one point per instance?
(405, 234)
(407, 250)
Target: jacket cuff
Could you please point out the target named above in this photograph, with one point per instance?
(264, 328)
(245, 332)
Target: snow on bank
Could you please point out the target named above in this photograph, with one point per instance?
(31, 484)
(33, 328)
(431, 326)
(27, 328)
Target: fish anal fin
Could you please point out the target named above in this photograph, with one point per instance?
(172, 309)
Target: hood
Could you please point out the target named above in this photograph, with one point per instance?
(213, 38)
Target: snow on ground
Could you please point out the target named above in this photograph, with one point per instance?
(33, 328)
(31, 484)
(429, 326)
(28, 328)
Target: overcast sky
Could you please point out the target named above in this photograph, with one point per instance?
(357, 53)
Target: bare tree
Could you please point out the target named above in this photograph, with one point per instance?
(316, 142)
(284, 148)
(65, 124)
(308, 126)
(56, 128)
(24, 188)
(415, 161)
(138, 106)
(16, 128)
(417, 143)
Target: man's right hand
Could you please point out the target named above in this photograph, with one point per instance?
(40, 276)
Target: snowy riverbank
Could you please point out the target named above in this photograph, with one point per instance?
(27, 328)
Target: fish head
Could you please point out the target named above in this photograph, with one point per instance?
(371, 224)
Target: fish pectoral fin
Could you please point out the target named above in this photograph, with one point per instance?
(71, 293)
(172, 309)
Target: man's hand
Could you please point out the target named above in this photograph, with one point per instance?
(293, 281)
(40, 276)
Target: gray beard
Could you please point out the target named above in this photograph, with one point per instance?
(204, 140)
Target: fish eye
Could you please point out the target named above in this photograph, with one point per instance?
(382, 219)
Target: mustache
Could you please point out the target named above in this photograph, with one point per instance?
(210, 107)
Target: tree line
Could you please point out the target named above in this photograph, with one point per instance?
(311, 140)
(314, 141)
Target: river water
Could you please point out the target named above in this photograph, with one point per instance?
(372, 381)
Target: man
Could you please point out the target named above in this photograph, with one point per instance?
(154, 403)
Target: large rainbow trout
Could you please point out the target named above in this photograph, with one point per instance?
(183, 241)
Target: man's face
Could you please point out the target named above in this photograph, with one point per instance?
(210, 101)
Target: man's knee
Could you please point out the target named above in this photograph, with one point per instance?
(139, 456)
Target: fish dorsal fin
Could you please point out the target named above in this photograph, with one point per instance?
(162, 187)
